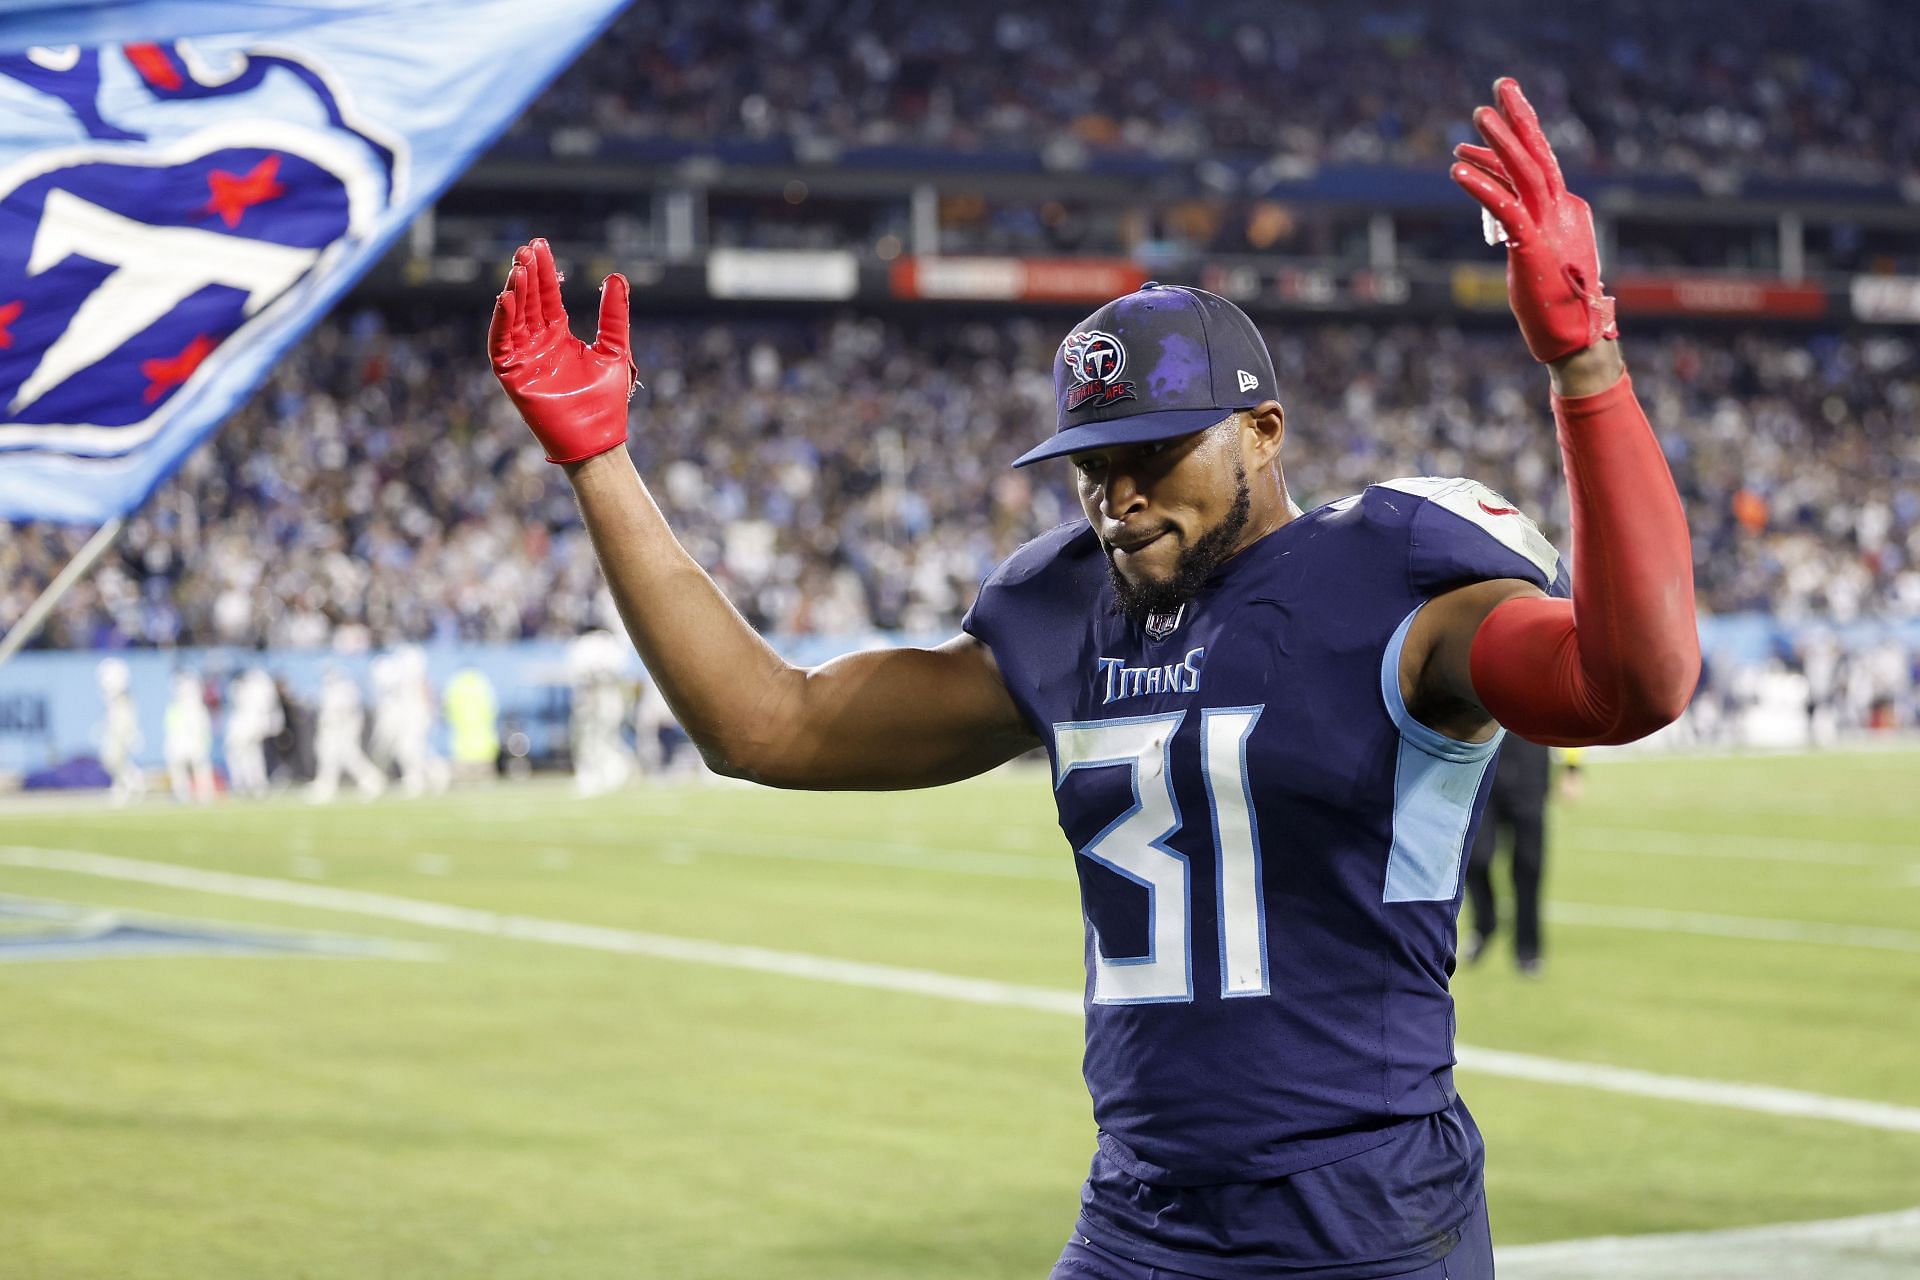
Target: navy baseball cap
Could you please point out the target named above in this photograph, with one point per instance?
(1162, 362)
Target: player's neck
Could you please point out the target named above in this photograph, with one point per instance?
(1273, 507)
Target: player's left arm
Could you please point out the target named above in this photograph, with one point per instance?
(1621, 659)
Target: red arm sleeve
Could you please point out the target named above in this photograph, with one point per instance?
(1620, 659)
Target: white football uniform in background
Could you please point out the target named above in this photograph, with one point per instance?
(336, 741)
(383, 676)
(254, 714)
(188, 743)
(408, 709)
(119, 733)
(596, 665)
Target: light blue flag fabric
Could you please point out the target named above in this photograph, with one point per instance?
(185, 187)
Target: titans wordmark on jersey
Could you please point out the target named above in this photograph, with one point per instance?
(1269, 851)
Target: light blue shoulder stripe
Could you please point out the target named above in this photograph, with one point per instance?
(1435, 781)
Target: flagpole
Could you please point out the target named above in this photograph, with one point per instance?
(36, 614)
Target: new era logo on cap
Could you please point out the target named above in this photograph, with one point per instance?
(1189, 358)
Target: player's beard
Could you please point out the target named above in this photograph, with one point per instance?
(1196, 564)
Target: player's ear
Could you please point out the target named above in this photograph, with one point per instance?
(1265, 431)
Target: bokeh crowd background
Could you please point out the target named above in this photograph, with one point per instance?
(858, 231)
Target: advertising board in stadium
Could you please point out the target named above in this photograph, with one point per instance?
(1485, 288)
(826, 275)
(1719, 296)
(1016, 279)
(1886, 299)
(1309, 288)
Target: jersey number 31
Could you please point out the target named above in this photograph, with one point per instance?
(1135, 846)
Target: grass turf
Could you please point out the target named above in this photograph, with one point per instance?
(520, 1109)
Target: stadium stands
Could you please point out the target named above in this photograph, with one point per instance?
(1793, 89)
(844, 473)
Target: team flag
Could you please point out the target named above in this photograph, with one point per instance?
(185, 187)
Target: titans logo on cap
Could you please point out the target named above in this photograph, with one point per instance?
(1096, 360)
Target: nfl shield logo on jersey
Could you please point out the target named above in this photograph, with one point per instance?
(192, 200)
(1162, 625)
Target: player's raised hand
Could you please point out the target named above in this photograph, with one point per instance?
(574, 396)
(1553, 264)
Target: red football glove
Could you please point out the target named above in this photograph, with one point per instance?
(1553, 267)
(574, 396)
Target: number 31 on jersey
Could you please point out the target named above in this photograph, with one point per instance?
(1134, 845)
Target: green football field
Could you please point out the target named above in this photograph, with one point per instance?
(713, 1031)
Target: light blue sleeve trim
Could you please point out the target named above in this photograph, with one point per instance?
(1427, 738)
(1435, 781)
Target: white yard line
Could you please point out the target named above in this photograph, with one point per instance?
(1862, 747)
(1881, 1246)
(438, 915)
(1765, 1099)
(532, 801)
(789, 847)
(1665, 843)
(919, 857)
(849, 851)
(1709, 925)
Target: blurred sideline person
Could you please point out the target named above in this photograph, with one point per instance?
(336, 741)
(652, 721)
(1573, 774)
(1821, 660)
(383, 679)
(403, 717)
(253, 715)
(1269, 729)
(595, 669)
(290, 748)
(120, 737)
(473, 724)
(188, 741)
(1517, 809)
(422, 769)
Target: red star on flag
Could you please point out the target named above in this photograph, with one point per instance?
(8, 314)
(235, 193)
(163, 375)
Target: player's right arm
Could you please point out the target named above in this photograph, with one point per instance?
(888, 718)
(1621, 659)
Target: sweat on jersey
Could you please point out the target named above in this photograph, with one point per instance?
(1269, 849)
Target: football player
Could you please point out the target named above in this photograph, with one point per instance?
(120, 737)
(188, 740)
(1269, 729)
(336, 741)
(255, 715)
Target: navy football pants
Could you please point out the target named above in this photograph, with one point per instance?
(1471, 1259)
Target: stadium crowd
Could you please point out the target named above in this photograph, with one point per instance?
(1781, 87)
(845, 473)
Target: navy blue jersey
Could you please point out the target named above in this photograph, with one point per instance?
(1269, 846)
